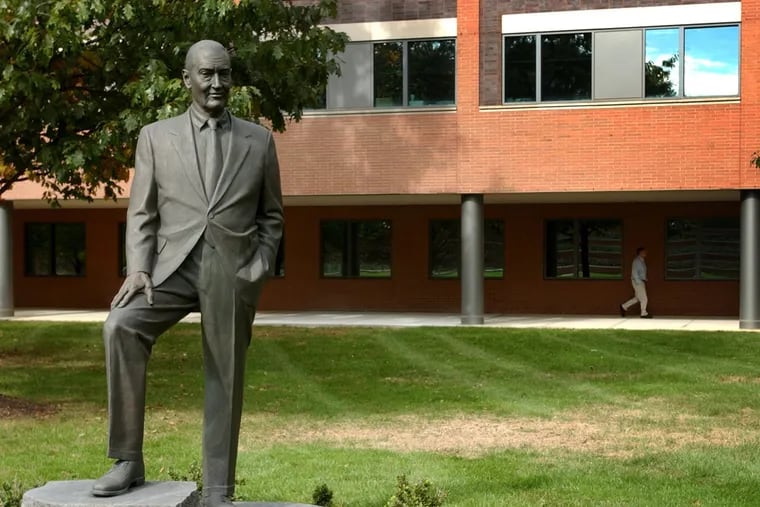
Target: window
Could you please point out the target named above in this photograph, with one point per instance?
(414, 73)
(520, 69)
(561, 63)
(431, 72)
(566, 66)
(279, 259)
(661, 70)
(445, 248)
(122, 235)
(388, 66)
(493, 253)
(711, 63)
(584, 249)
(400, 73)
(352, 248)
(702, 249)
(54, 249)
(686, 61)
(446, 251)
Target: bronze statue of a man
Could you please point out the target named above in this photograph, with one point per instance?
(203, 227)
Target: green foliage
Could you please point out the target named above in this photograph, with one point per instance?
(80, 77)
(194, 474)
(755, 159)
(322, 496)
(658, 81)
(421, 494)
(12, 492)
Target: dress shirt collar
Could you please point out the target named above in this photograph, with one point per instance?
(199, 118)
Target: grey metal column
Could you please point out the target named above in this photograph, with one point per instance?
(6, 258)
(749, 275)
(472, 259)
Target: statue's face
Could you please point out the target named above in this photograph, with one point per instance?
(209, 78)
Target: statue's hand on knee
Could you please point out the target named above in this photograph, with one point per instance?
(134, 283)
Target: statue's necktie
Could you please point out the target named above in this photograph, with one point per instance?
(213, 157)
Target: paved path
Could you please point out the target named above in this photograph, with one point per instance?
(312, 319)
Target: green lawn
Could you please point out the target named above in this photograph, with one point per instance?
(493, 416)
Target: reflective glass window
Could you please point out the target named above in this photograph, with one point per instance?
(445, 246)
(661, 62)
(566, 66)
(702, 249)
(353, 248)
(54, 249)
(711, 65)
(493, 253)
(388, 68)
(583, 249)
(520, 68)
(432, 65)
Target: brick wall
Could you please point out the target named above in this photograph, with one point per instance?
(597, 148)
(102, 278)
(546, 150)
(353, 11)
(376, 154)
(523, 288)
(750, 91)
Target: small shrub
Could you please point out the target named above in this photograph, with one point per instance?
(422, 494)
(194, 474)
(12, 492)
(322, 496)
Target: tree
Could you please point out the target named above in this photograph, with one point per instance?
(658, 81)
(80, 77)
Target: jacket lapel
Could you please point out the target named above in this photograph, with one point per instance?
(181, 137)
(238, 146)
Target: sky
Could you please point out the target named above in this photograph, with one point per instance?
(712, 58)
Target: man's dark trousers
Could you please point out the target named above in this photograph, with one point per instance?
(129, 333)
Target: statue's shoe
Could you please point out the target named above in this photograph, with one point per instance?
(122, 476)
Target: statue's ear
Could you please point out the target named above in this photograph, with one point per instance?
(186, 78)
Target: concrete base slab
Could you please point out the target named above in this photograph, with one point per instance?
(77, 494)
(151, 494)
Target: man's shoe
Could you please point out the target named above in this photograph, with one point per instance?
(622, 311)
(122, 476)
(216, 500)
(647, 316)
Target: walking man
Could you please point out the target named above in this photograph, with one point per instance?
(203, 227)
(639, 282)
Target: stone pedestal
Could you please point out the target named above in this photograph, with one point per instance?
(152, 494)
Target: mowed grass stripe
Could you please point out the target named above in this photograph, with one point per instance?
(673, 418)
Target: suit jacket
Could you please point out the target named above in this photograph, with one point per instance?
(169, 211)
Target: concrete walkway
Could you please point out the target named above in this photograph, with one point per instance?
(313, 319)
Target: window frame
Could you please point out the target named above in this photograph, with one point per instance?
(682, 28)
(458, 224)
(122, 242)
(700, 220)
(346, 224)
(576, 246)
(405, 73)
(52, 253)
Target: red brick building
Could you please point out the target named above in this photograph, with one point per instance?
(497, 156)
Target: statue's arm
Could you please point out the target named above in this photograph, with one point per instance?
(269, 216)
(142, 214)
(142, 225)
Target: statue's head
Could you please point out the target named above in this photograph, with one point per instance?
(208, 76)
